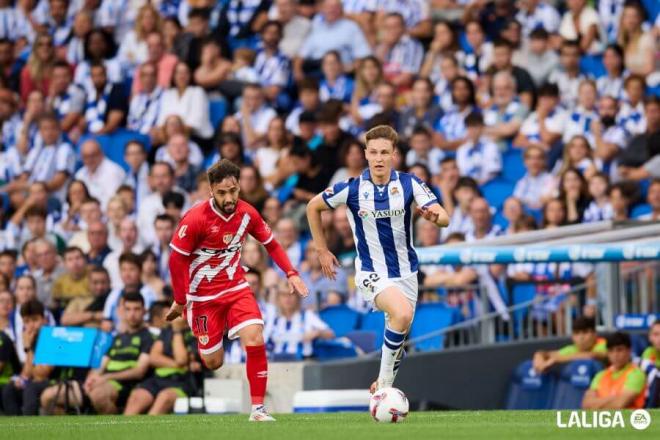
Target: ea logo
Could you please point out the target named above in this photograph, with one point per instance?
(640, 419)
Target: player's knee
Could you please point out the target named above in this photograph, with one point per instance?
(403, 318)
(213, 362)
(47, 397)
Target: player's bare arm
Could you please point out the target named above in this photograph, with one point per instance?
(436, 214)
(326, 258)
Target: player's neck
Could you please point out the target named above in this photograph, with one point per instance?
(382, 180)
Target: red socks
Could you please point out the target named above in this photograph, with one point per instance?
(257, 372)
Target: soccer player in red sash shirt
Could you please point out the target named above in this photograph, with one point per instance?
(208, 279)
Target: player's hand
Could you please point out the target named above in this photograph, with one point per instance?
(428, 214)
(296, 285)
(179, 324)
(175, 311)
(328, 264)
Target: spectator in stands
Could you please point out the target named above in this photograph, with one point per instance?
(254, 116)
(74, 281)
(543, 127)
(308, 95)
(554, 214)
(600, 207)
(335, 84)
(287, 233)
(133, 49)
(10, 366)
(87, 311)
(172, 357)
(130, 271)
(650, 362)
(621, 201)
(586, 345)
(37, 72)
(144, 108)
(270, 160)
(638, 44)
(568, 77)
(333, 32)
(388, 115)
(90, 212)
(368, 76)
(574, 192)
(150, 273)
(324, 292)
(66, 99)
(164, 61)
(400, 54)
(31, 221)
(213, 68)
(446, 181)
(606, 136)
(116, 211)
(161, 180)
(188, 101)
(537, 185)
(100, 49)
(581, 23)
(422, 111)
(505, 116)
(578, 155)
(97, 236)
(164, 226)
(271, 64)
(295, 27)
(76, 195)
(464, 193)
(252, 187)
(422, 151)
(640, 159)
(174, 203)
(443, 44)
(479, 157)
(106, 104)
(611, 84)
(109, 387)
(482, 221)
(8, 260)
(101, 175)
(128, 237)
(293, 330)
(653, 199)
(137, 176)
(539, 59)
(502, 62)
(50, 268)
(21, 395)
(450, 132)
(477, 58)
(622, 384)
(580, 118)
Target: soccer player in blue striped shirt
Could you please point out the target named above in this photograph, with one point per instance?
(380, 213)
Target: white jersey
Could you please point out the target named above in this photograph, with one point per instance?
(381, 220)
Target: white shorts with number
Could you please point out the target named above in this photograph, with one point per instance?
(371, 284)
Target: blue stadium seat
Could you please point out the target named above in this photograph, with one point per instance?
(513, 167)
(574, 381)
(365, 340)
(342, 319)
(500, 221)
(217, 111)
(530, 390)
(497, 191)
(429, 318)
(374, 322)
(113, 144)
(334, 349)
(652, 8)
(639, 210)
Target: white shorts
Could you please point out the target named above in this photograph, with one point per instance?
(371, 284)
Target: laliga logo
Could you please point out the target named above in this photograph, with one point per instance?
(639, 419)
(519, 254)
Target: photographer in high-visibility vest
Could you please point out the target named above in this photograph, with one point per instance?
(622, 384)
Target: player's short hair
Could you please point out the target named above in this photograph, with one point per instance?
(33, 307)
(583, 324)
(132, 297)
(222, 170)
(157, 308)
(382, 132)
(618, 339)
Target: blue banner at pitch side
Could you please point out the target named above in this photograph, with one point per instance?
(530, 254)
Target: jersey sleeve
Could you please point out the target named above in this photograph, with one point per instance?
(258, 228)
(146, 342)
(187, 236)
(567, 350)
(595, 383)
(635, 381)
(422, 193)
(336, 195)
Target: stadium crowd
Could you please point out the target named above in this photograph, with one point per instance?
(520, 115)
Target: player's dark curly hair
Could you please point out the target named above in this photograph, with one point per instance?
(221, 170)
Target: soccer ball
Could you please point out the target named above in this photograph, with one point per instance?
(388, 405)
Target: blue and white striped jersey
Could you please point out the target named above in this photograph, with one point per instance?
(381, 220)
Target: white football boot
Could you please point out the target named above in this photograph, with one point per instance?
(259, 414)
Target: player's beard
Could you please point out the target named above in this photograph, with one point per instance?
(226, 208)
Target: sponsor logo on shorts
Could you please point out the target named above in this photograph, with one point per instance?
(203, 339)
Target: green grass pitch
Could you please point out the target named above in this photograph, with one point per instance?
(516, 425)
